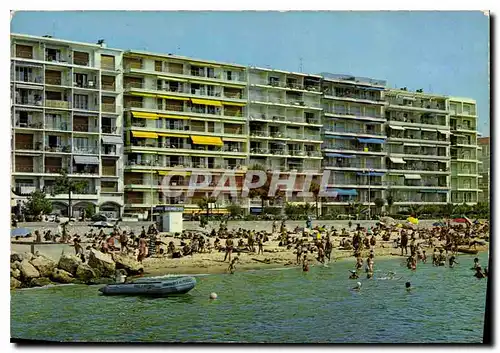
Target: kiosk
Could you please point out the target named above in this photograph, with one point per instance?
(170, 218)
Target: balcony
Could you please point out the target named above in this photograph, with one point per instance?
(54, 169)
(29, 101)
(85, 84)
(108, 87)
(53, 81)
(27, 78)
(30, 125)
(353, 130)
(58, 149)
(87, 170)
(57, 104)
(109, 171)
(27, 168)
(85, 150)
(353, 164)
(108, 107)
(24, 189)
(106, 129)
(85, 128)
(107, 66)
(346, 95)
(34, 146)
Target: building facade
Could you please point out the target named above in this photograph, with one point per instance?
(182, 114)
(127, 122)
(418, 148)
(484, 168)
(464, 151)
(66, 114)
(354, 136)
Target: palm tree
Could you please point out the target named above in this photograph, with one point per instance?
(315, 189)
(66, 185)
(390, 202)
(379, 204)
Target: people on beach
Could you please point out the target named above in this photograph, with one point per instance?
(229, 249)
(143, 247)
(232, 265)
(452, 261)
(305, 264)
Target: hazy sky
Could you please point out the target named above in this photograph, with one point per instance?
(440, 52)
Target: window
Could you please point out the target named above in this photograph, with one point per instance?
(210, 72)
(158, 65)
(274, 81)
(107, 62)
(80, 58)
(195, 88)
(24, 51)
(24, 74)
(23, 118)
(53, 54)
(229, 76)
(54, 141)
(81, 101)
(81, 143)
(81, 80)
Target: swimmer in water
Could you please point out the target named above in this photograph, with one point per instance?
(451, 261)
(358, 287)
(476, 263)
(479, 273)
(354, 275)
(408, 286)
(305, 264)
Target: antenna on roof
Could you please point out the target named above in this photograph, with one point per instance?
(300, 64)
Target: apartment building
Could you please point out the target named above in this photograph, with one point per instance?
(464, 151)
(418, 148)
(354, 137)
(484, 168)
(66, 114)
(284, 126)
(181, 114)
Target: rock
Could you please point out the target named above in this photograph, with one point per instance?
(28, 271)
(69, 263)
(61, 276)
(39, 282)
(14, 283)
(129, 264)
(44, 265)
(15, 256)
(103, 263)
(14, 272)
(85, 273)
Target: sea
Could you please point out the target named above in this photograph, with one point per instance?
(444, 305)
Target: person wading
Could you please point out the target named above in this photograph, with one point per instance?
(229, 248)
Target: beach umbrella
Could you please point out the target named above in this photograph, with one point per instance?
(459, 220)
(102, 224)
(388, 220)
(19, 232)
(412, 220)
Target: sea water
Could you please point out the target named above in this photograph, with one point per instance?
(289, 306)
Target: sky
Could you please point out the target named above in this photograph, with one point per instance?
(439, 52)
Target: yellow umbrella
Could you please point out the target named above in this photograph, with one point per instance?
(412, 220)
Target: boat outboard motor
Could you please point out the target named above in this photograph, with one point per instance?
(121, 276)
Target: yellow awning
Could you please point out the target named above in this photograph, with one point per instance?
(144, 115)
(173, 135)
(173, 116)
(172, 79)
(174, 172)
(233, 86)
(144, 134)
(206, 102)
(173, 97)
(203, 64)
(204, 83)
(235, 104)
(207, 140)
(143, 94)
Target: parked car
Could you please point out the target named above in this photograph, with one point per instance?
(99, 217)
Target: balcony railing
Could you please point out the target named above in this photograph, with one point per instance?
(89, 107)
(357, 114)
(29, 101)
(84, 150)
(108, 107)
(84, 128)
(31, 125)
(134, 200)
(64, 126)
(53, 81)
(347, 164)
(353, 130)
(28, 79)
(106, 129)
(54, 169)
(24, 189)
(33, 146)
(107, 66)
(88, 171)
(26, 168)
(352, 95)
(109, 152)
(87, 84)
(108, 87)
(59, 148)
(109, 171)
(105, 189)
(57, 104)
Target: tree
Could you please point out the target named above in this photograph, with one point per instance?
(204, 203)
(315, 189)
(379, 204)
(66, 185)
(390, 202)
(415, 210)
(89, 211)
(37, 204)
(234, 210)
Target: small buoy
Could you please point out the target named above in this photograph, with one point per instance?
(213, 295)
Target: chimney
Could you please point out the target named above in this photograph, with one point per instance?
(102, 43)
